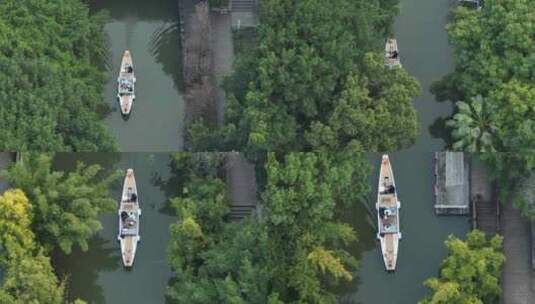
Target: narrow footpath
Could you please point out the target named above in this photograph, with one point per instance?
(518, 279)
(241, 180)
(481, 194)
(223, 50)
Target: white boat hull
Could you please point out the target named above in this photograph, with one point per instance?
(391, 46)
(388, 207)
(128, 250)
(126, 102)
(129, 214)
(126, 81)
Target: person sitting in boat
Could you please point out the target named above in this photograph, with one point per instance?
(129, 69)
(133, 197)
(129, 193)
(394, 54)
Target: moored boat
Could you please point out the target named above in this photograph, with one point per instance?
(129, 213)
(392, 53)
(388, 207)
(126, 93)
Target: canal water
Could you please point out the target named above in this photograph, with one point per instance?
(97, 276)
(421, 249)
(149, 30)
(426, 55)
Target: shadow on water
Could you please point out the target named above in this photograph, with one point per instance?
(65, 161)
(439, 130)
(163, 46)
(153, 10)
(81, 269)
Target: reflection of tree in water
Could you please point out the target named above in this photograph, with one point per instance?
(66, 161)
(165, 47)
(81, 269)
(361, 217)
(141, 9)
(439, 130)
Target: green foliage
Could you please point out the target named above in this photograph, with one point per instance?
(470, 274)
(65, 206)
(306, 241)
(494, 50)
(514, 173)
(292, 253)
(317, 79)
(214, 261)
(473, 129)
(51, 56)
(28, 275)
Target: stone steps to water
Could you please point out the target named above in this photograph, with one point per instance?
(243, 5)
(239, 212)
(487, 217)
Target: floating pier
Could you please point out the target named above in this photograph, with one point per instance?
(452, 185)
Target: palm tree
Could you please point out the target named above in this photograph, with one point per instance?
(473, 130)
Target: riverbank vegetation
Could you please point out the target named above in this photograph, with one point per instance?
(493, 81)
(470, 273)
(316, 79)
(28, 274)
(65, 206)
(291, 250)
(49, 210)
(52, 56)
(514, 174)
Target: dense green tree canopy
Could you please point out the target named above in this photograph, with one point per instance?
(317, 78)
(470, 274)
(65, 206)
(51, 57)
(494, 51)
(28, 277)
(293, 252)
(306, 241)
(214, 261)
(514, 173)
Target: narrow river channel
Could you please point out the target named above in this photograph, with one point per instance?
(148, 29)
(425, 53)
(97, 276)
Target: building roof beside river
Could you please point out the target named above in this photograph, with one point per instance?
(451, 183)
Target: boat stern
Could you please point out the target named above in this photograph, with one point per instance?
(389, 248)
(126, 102)
(128, 250)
